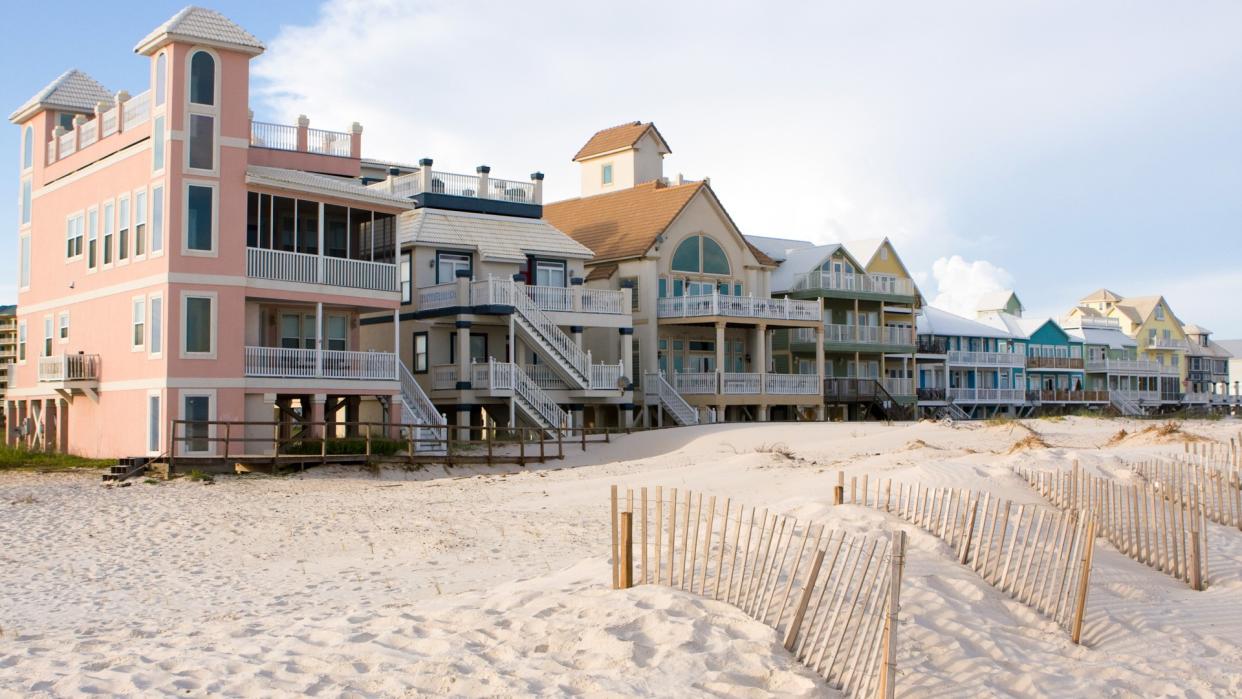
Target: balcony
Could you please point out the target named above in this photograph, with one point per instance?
(986, 395)
(1140, 397)
(868, 286)
(1168, 343)
(604, 377)
(1004, 359)
(297, 267)
(1036, 362)
(745, 384)
(459, 192)
(888, 336)
(567, 299)
(286, 363)
(67, 368)
(746, 307)
(928, 345)
(1129, 366)
(302, 139)
(852, 389)
(1059, 396)
(125, 115)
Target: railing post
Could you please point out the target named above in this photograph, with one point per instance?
(355, 140)
(484, 181)
(303, 127)
(78, 121)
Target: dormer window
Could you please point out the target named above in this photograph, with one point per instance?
(203, 79)
(605, 176)
(1159, 312)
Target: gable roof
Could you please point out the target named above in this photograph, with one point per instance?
(937, 321)
(778, 248)
(864, 250)
(73, 91)
(1193, 329)
(998, 300)
(1113, 338)
(1100, 294)
(618, 137)
(803, 260)
(1140, 308)
(201, 26)
(625, 224)
(1232, 347)
(496, 238)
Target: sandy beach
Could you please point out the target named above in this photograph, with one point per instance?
(495, 582)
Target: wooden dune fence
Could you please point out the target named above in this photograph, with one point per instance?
(1211, 484)
(832, 597)
(1152, 525)
(1039, 556)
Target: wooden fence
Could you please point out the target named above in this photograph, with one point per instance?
(1038, 556)
(1150, 524)
(832, 597)
(1211, 482)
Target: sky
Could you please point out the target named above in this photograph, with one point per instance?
(1051, 147)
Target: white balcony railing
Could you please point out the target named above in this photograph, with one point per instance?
(444, 377)
(740, 384)
(606, 376)
(1129, 366)
(69, 367)
(986, 358)
(279, 265)
(986, 395)
(695, 383)
(131, 113)
(459, 185)
(571, 299)
(1137, 396)
(862, 283)
(860, 335)
(745, 383)
(289, 363)
(438, 296)
(737, 307)
(1168, 343)
(792, 384)
(898, 387)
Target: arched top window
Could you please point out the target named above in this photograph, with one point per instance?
(28, 148)
(701, 255)
(161, 77)
(202, 79)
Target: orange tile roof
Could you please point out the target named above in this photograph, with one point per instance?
(600, 272)
(621, 224)
(615, 137)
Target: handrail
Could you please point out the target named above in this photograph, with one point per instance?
(668, 396)
(506, 292)
(416, 399)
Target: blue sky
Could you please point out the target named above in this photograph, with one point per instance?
(1053, 146)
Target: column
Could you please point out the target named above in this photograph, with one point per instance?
(820, 410)
(463, 353)
(62, 425)
(10, 413)
(319, 249)
(319, 337)
(463, 421)
(576, 332)
(627, 352)
(49, 424)
(760, 364)
(316, 415)
(720, 367)
(396, 343)
(575, 292)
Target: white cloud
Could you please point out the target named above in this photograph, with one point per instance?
(960, 284)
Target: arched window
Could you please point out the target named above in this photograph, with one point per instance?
(161, 77)
(203, 79)
(28, 148)
(701, 255)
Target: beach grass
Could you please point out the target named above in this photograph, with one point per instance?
(19, 459)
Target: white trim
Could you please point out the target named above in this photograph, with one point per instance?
(215, 311)
(162, 188)
(133, 302)
(210, 395)
(103, 235)
(194, 109)
(235, 142)
(23, 243)
(185, 218)
(84, 215)
(167, 138)
(25, 208)
(123, 233)
(146, 196)
(62, 324)
(159, 425)
(154, 333)
(23, 343)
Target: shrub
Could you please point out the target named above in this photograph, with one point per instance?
(198, 476)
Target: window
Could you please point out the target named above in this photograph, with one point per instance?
(108, 223)
(297, 331)
(21, 341)
(200, 200)
(308, 227)
(338, 333)
(122, 229)
(1159, 312)
(24, 274)
(153, 418)
(139, 323)
(420, 353)
(606, 174)
(700, 254)
(28, 148)
(202, 79)
(92, 239)
(161, 78)
(202, 141)
(73, 234)
(65, 120)
(157, 144)
(47, 336)
(407, 267)
(197, 413)
(550, 273)
(157, 325)
(478, 347)
(25, 204)
(199, 321)
(157, 219)
(448, 264)
(140, 223)
(884, 252)
(63, 325)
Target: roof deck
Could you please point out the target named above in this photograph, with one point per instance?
(479, 193)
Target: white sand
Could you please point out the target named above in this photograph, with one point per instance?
(337, 582)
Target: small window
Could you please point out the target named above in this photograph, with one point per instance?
(407, 268)
(606, 174)
(338, 333)
(28, 148)
(420, 353)
(157, 325)
(140, 223)
(448, 264)
(1159, 312)
(550, 273)
(884, 252)
(65, 120)
(108, 223)
(202, 141)
(25, 219)
(161, 78)
(73, 234)
(198, 219)
(47, 336)
(122, 229)
(139, 323)
(157, 219)
(21, 341)
(24, 274)
(64, 326)
(157, 144)
(198, 325)
(153, 418)
(203, 79)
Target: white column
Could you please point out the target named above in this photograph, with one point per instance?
(396, 342)
(319, 234)
(319, 336)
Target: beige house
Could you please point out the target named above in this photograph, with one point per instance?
(702, 311)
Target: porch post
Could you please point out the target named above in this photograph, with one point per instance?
(396, 343)
(49, 424)
(760, 362)
(62, 425)
(463, 354)
(820, 413)
(720, 366)
(319, 337)
(316, 415)
(627, 351)
(576, 332)
(319, 248)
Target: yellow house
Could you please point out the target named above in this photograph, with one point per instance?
(1152, 323)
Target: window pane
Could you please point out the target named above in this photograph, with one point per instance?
(290, 331)
(198, 324)
(714, 259)
(203, 78)
(385, 232)
(406, 281)
(335, 230)
(282, 213)
(686, 259)
(140, 320)
(252, 219)
(157, 219)
(198, 217)
(202, 141)
(360, 234)
(157, 325)
(25, 201)
(338, 333)
(153, 422)
(308, 227)
(157, 144)
(420, 352)
(25, 254)
(161, 73)
(28, 148)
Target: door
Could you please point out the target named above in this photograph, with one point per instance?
(197, 411)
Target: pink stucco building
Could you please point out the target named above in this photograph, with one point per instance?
(180, 261)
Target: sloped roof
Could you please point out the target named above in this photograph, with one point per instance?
(1193, 329)
(495, 238)
(600, 272)
(624, 224)
(937, 321)
(73, 91)
(1144, 306)
(203, 26)
(997, 300)
(801, 261)
(1100, 295)
(343, 187)
(1112, 337)
(777, 248)
(1231, 347)
(1020, 328)
(618, 137)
